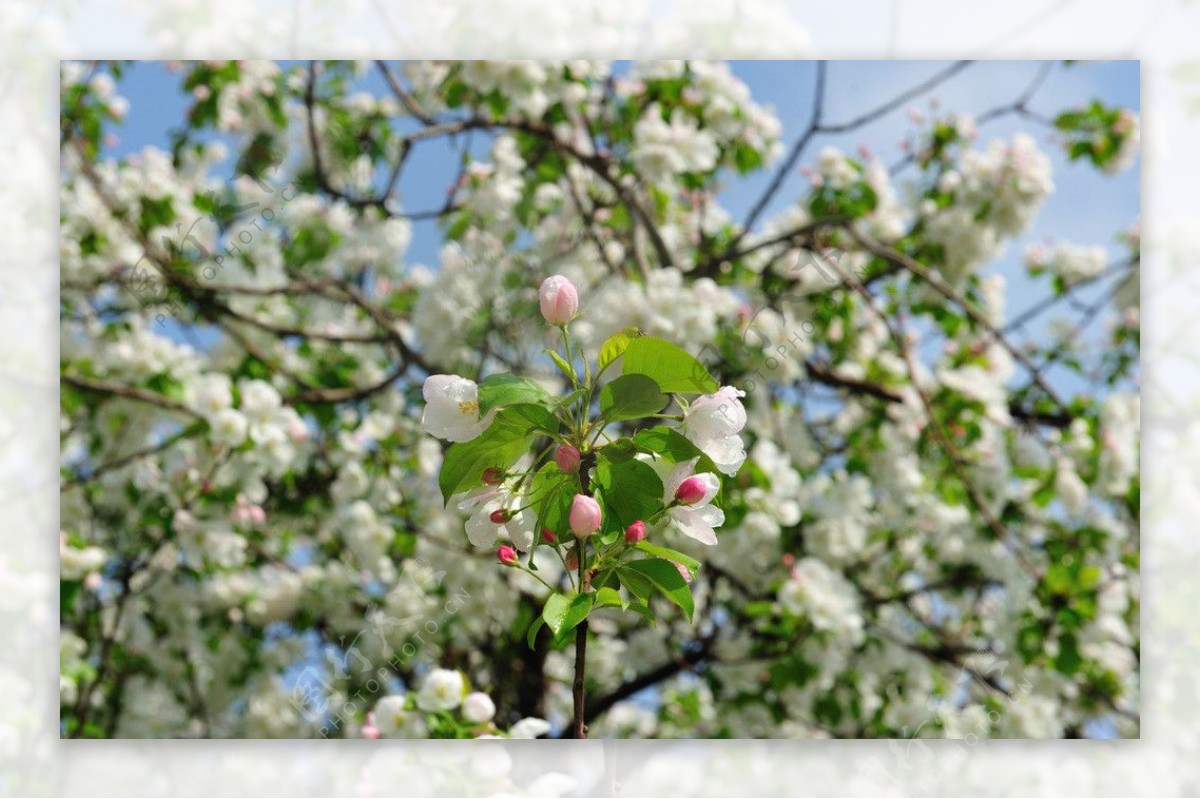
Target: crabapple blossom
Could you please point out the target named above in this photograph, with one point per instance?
(713, 423)
(393, 719)
(529, 728)
(585, 516)
(452, 408)
(559, 300)
(478, 708)
(567, 458)
(443, 689)
(695, 490)
(697, 518)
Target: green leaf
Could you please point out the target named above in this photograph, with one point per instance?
(67, 592)
(619, 451)
(675, 371)
(656, 551)
(631, 396)
(642, 610)
(562, 364)
(531, 636)
(570, 399)
(1068, 660)
(503, 390)
(666, 578)
(615, 345)
(551, 492)
(563, 614)
(500, 446)
(610, 597)
(638, 585)
(533, 418)
(628, 491)
(674, 446)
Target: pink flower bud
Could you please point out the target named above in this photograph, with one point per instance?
(499, 516)
(493, 476)
(690, 491)
(684, 573)
(559, 300)
(369, 729)
(549, 537)
(507, 555)
(567, 458)
(635, 532)
(585, 516)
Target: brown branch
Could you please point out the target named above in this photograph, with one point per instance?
(788, 164)
(406, 99)
(919, 270)
(124, 460)
(823, 374)
(956, 460)
(128, 392)
(654, 676)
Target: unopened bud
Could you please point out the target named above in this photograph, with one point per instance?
(585, 516)
(690, 491)
(567, 457)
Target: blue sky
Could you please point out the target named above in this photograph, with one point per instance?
(1086, 208)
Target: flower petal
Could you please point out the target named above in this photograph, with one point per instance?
(481, 530)
(672, 479)
(694, 523)
(520, 530)
(727, 454)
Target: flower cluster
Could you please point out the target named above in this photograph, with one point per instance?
(530, 469)
(1070, 263)
(443, 708)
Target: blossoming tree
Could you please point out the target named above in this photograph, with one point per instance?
(624, 462)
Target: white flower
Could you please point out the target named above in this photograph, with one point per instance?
(442, 690)
(452, 408)
(713, 423)
(482, 530)
(824, 597)
(663, 149)
(260, 401)
(229, 427)
(529, 728)
(696, 519)
(209, 393)
(478, 708)
(394, 720)
(75, 563)
(1070, 487)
